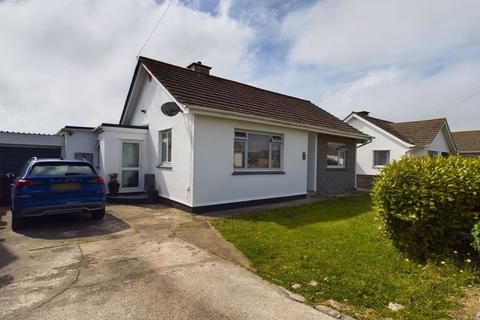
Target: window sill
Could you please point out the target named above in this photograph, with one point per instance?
(378, 167)
(255, 172)
(165, 166)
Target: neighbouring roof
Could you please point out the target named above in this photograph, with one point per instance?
(28, 133)
(196, 89)
(467, 141)
(419, 133)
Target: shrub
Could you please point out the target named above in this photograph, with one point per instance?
(476, 237)
(428, 204)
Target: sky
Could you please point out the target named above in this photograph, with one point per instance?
(70, 62)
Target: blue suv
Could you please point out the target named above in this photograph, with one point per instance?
(53, 186)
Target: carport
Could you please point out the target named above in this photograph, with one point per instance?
(16, 148)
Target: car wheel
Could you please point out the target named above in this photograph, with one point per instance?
(17, 223)
(98, 214)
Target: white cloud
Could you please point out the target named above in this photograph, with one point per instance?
(354, 34)
(402, 60)
(71, 62)
(400, 94)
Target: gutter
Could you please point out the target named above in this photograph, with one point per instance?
(241, 116)
(370, 140)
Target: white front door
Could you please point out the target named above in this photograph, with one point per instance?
(131, 173)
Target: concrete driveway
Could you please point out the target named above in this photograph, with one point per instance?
(140, 262)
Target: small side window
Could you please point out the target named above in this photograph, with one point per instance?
(166, 146)
(381, 157)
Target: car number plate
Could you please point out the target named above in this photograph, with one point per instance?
(64, 186)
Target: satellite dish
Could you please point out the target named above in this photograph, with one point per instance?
(170, 109)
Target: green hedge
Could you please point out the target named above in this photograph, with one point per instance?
(429, 205)
(476, 237)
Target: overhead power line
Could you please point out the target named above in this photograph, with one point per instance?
(154, 28)
(458, 101)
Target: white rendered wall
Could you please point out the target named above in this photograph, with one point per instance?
(381, 141)
(111, 140)
(173, 183)
(80, 141)
(213, 164)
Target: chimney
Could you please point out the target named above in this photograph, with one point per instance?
(199, 67)
(362, 113)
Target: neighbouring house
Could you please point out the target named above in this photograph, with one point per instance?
(212, 143)
(468, 142)
(392, 140)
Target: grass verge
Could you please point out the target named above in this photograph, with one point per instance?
(340, 245)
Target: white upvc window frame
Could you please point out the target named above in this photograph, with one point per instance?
(168, 156)
(340, 151)
(241, 135)
(381, 165)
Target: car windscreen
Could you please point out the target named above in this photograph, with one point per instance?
(61, 169)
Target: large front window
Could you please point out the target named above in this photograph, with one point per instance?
(336, 155)
(257, 151)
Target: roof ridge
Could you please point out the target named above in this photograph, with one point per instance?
(388, 121)
(367, 116)
(224, 79)
(444, 119)
(462, 131)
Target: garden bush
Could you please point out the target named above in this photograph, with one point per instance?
(476, 237)
(429, 205)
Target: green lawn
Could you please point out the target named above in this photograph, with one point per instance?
(340, 244)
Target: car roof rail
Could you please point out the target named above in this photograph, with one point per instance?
(34, 158)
